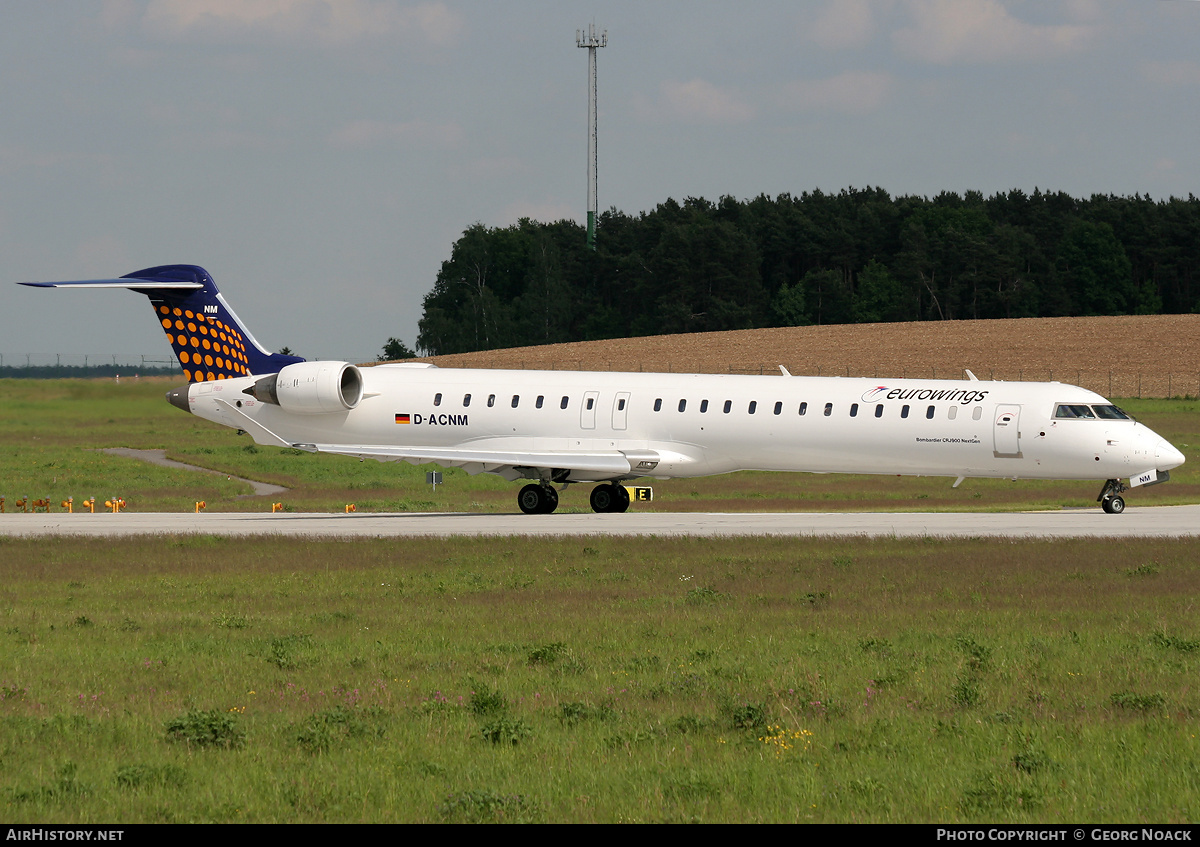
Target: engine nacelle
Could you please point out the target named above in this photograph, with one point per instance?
(311, 388)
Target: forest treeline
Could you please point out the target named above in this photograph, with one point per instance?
(853, 257)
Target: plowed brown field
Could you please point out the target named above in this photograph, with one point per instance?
(1122, 356)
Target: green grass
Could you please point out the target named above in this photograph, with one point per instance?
(49, 429)
(262, 680)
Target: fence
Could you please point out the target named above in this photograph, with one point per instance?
(1110, 382)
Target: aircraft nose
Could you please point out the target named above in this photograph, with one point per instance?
(1166, 456)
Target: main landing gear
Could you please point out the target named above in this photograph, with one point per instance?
(540, 499)
(1110, 498)
(610, 497)
(536, 499)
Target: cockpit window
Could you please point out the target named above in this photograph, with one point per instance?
(1110, 413)
(1074, 410)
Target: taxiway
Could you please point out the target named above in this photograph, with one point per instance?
(1143, 522)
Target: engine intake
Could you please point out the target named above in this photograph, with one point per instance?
(311, 388)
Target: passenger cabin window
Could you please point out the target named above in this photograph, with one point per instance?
(538, 403)
(828, 409)
(904, 411)
(621, 405)
(929, 413)
(1072, 410)
(753, 406)
(854, 410)
(591, 401)
(804, 408)
(953, 413)
(879, 411)
(778, 407)
(466, 400)
(728, 406)
(682, 405)
(516, 400)
(491, 400)
(658, 405)
(437, 399)
(703, 406)
(563, 404)
(977, 413)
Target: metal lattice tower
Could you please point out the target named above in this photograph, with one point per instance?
(591, 41)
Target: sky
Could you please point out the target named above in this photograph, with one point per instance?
(320, 157)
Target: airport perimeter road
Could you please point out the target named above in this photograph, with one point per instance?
(1145, 522)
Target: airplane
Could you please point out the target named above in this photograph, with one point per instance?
(565, 427)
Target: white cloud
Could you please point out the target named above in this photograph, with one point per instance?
(541, 212)
(116, 14)
(325, 22)
(701, 101)
(14, 159)
(843, 24)
(492, 167)
(364, 134)
(855, 92)
(1178, 73)
(948, 31)
(1163, 167)
(101, 254)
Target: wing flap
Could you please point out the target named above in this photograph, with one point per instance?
(613, 463)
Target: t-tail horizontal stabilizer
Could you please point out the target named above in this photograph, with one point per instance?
(208, 338)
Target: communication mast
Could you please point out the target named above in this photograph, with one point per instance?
(591, 41)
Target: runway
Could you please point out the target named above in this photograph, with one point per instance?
(1143, 522)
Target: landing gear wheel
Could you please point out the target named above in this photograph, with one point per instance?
(1110, 497)
(609, 498)
(537, 499)
(622, 501)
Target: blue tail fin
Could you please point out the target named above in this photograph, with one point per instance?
(207, 337)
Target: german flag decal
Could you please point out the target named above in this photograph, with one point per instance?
(402, 419)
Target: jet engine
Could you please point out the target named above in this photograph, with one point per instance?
(311, 388)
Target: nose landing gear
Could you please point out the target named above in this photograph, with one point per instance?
(1110, 498)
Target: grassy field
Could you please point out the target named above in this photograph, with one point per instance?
(49, 431)
(202, 679)
(205, 679)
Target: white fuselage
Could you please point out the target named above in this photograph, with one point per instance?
(696, 425)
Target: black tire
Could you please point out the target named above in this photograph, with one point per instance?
(603, 498)
(532, 499)
(1114, 505)
(621, 504)
(551, 500)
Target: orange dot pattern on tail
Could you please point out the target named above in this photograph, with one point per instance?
(207, 347)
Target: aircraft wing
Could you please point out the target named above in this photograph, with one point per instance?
(476, 461)
(604, 464)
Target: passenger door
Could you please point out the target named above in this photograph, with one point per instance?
(1006, 431)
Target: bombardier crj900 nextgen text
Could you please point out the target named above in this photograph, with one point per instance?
(555, 427)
